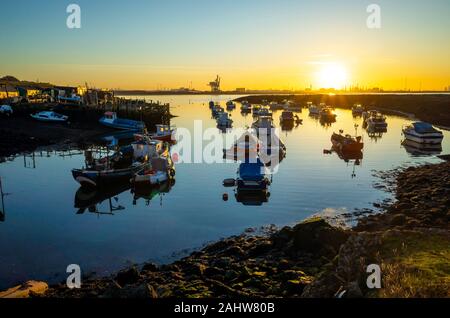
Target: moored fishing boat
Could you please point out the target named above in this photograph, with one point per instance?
(327, 114)
(224, 121)
(163, 133)
(158, 171)
(375, 121)
(346, 143)
(423, 133)
(49, 116)
(246, 107)
(110, 119)
(288, 116)
(357, 110)
(264, 124)
(314, 110)
(252, 177)
(231, 105)
(102, 172)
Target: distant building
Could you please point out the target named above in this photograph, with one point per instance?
(7, 91)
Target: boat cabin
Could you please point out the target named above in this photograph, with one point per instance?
(162, 130)
(110, 116)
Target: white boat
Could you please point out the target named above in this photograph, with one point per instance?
(357, 110)
(375, 121)
(263, 123)
(160, 170)
(6, 110)
(423, 133)
(276, 105)
(246, 107)
(231, 105)
(264, 112)
(314, 110)
(49, 116)
(224, 120)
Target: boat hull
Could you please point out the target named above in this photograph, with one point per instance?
(429, 139)
(93, 178)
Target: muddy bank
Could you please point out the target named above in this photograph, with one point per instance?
(312, 259)
(433, 108)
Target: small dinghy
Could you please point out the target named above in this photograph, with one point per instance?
(49, 116)
(110, 119)
(159, 171)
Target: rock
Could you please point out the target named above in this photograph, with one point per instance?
(296, 286)
(138, 292)
(283, 265)
(282, 237)
(231, 275)
(398, 219)
(353, 290)
(234, 251)
(128, 276)
(213, 271)
(25, 290)
(260, 249)
(318, 237)
(223, 262)
(150, 267)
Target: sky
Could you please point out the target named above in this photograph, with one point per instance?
(257, 44)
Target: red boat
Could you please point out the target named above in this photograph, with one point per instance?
(346, 143)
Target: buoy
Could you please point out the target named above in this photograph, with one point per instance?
(229, 182)
(225, 196)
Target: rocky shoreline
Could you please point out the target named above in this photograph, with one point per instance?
(409, 241)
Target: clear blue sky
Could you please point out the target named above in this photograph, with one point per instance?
(144, 43)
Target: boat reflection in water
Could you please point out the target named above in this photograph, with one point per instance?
(258, 159)
(148, 192)
(89, 198)
(348, 148)
(376, 133)
(416, 149)
(2, 205)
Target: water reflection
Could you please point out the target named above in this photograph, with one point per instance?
(91, 199)
(44, 222)
(418, 149)
(148, 193)
(2, 205)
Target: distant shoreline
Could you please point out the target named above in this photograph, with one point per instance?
(268, 93)
(432, 108)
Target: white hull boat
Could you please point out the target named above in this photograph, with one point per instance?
(423, 133)
(48, 116)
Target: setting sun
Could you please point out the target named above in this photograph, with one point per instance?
(332, 75)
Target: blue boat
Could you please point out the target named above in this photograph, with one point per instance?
(110, 119)
(252, 177)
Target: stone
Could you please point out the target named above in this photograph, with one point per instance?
(150, 267)
(128, 276)
(25, 290)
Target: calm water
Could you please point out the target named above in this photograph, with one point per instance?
(42, 233)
